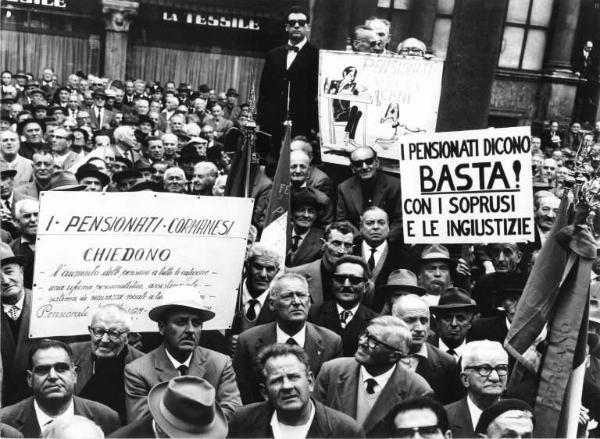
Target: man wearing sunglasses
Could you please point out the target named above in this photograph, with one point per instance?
(52, 379)
(370, 187)
(484, 372)
(289, 82)
(365, 40)
(101, 361)
(369, 385)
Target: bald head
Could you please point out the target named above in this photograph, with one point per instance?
(415, 313)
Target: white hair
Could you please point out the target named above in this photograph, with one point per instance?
(115, 311)
(208, 167)
(122, 132)
(23, 204)
(473, 348)
(73, 427)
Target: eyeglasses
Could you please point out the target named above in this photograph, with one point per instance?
(46, 368)
(376, 43)
(373, 342)
(292, 23)
(113, 334)
(485, 370)
(354, 280)
(360, 163)
(409, 432)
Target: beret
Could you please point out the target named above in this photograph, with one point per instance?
(495, 410)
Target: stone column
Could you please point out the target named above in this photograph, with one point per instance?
(563, 35)
(118, 15)
(423, 20)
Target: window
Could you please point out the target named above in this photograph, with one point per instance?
(441, 28)
(525, 34)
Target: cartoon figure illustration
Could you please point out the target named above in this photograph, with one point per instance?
(392, 114)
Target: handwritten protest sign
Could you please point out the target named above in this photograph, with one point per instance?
(129, 248)
(467, 186)
(375, 100)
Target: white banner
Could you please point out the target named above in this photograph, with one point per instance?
(128, 249)
(375, 100)
(467, 187)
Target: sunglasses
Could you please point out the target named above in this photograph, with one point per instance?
(360, 163)
(293, 23)
(354, 280)
(409, 432)
(46, 368)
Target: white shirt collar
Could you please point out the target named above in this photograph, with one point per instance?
(422, 352)
(246, 296)
(283, 337)
(176, 363)
(366, 251)
(474, 411)
(381, 379)
(19, 304)
(302, 236)
(457, 349)
(283, 431)
(352, 310)
(507, 323)
(300, 45)
(43, 418)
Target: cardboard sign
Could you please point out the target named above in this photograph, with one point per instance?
(128, 249)
(375, 100)
(467, 187)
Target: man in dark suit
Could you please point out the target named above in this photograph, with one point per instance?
(338, 241)
(289, 405)
(290, 71)
(100, 117)
(306, 241)
(52, 379)
(370, 187)
(369, 385)
(180, 319)
(484, 373)
(316, 178)
(382, 256)
(346, 315)
(43, 168)
(101, 361)
(290, 300)
(16, 312)
(438, 368)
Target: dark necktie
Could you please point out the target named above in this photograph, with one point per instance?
(7, 204)
(371, 260)
(292, 48)
(295, 243)
(251, 311)
(183, 370)
(371, 383)
(291, 342)
(344, 316)
(451, 352)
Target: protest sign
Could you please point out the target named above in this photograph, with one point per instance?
(128, 249)
(467, 187)
(375, 100)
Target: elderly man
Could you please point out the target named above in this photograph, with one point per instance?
(346, 315)
(546, 209)
(125, 142)
(93, 179)
(365, 40)
(299, 166)
(9, 153)
(203, 179)
(370, 187)
(290, 301)
(484, 373)
(288, 384)
(26, 215)
(434, 272)
(305, 242)
(381, 27)
(16, 312)
(454, 312)
(423, 416)
(52, 378)
(506, 418)
(367, 386)
(399, 283)
(60, 144)
(101, 361)
(438, 368)
(174, 181)
(315, 177)
(180, 319)
(338, 241)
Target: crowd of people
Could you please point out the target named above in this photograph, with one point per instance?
(356, 334)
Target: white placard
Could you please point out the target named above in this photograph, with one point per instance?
(467, 187)
(129, 248)
(375, 100)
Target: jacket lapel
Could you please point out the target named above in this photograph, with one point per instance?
(27, 422)
(390, 395)
(313, 345)
(380, 189)
(84, 370)
(380, 263)
(357, 196)
(162, 364)
(347, 390)
(198, 364)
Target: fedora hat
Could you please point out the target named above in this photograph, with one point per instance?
(402, 280)
(182, 296)
(185, 407)
(509, 283)
(435, 252)
(306, 196)
(7, 256)
(99, 93)
(89, 170)
(454, 299)
(6, 170)
(65, 181)
(126, 173)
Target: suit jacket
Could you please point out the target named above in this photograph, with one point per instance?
(73, 159)
(319, 180)
(107, 117)
(15, 355)
(312, 273)
(22, 416)
(142, 428)
(320, 345)
(460, 420)
(21, 249)
(309, 249)
(337, 387)
(28, 190)
(155, 367)
(261, 190)
(82, 358)
(442, 373)
(386, 195)
(24, 168)
(6, 431)
(273, 92)
(327, 316)
(220, 127)
(489, 328)
(254, 420)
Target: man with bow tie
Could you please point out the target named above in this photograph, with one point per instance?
(290, 72)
